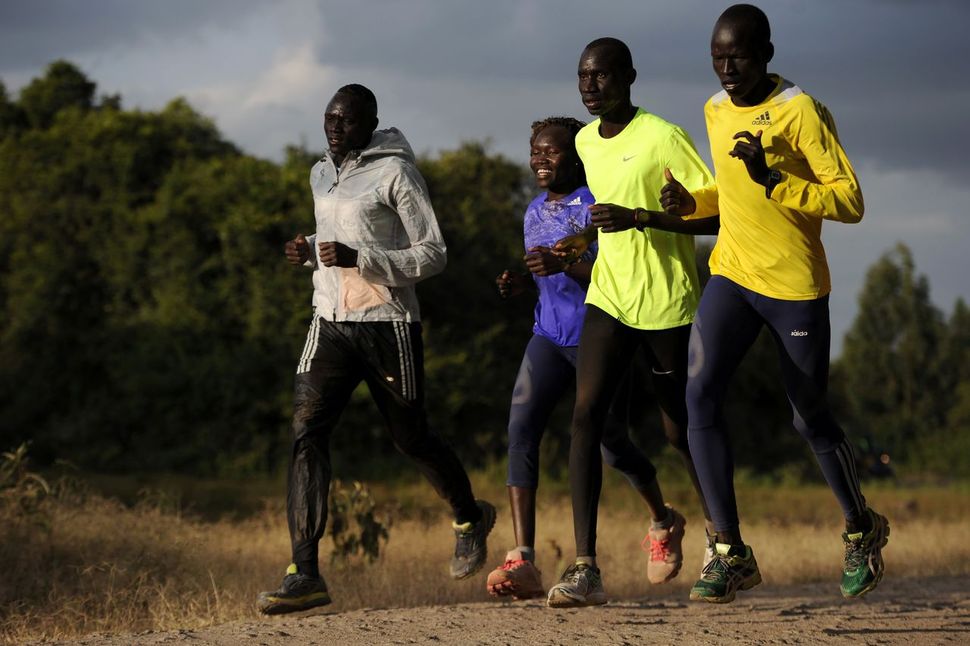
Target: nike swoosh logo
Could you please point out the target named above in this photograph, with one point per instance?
(629, 158)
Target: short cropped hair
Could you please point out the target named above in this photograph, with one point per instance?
(621, 53)
(750, 16)
(367, 99)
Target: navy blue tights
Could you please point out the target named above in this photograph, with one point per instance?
(728, 321)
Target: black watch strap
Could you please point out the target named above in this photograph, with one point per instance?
(638, 225)
(774, 177)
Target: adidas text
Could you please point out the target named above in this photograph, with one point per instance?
(764, 119)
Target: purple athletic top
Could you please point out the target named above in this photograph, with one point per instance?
(561, 305)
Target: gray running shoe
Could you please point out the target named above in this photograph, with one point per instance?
(470, 543)
(297, 592)
(579, 585)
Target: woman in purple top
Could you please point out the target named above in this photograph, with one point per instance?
(548, 368)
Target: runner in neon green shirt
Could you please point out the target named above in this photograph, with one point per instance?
(641, 301)
(645, 279)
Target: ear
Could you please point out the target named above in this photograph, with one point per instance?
(632, 75)
(769, 52)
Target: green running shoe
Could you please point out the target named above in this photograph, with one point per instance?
(864, 566)
(709, 549)
(470, 543)
(579, 585)
(297, 592)
(733, 568)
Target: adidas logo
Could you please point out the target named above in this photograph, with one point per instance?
(576, 202)
(799, 333)
(764, 119)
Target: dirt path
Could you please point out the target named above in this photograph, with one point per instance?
(908, 611)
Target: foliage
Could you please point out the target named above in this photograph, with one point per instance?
(21, 491)
(355, 528)
(474, 339)
(148, 320)
(904, 369)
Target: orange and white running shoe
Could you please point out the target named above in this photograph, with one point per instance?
(518, 578)
(666, 553)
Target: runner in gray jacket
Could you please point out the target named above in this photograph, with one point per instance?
(376, 236)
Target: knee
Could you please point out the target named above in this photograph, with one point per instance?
(523, 469)
(589, 417)
(301, 425)
(703, 402)
(413, 444)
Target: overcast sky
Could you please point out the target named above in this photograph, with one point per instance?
(894, 73)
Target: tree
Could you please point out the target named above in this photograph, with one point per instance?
(12, 118)
(63, 86)
(890, 361)
(474, 339)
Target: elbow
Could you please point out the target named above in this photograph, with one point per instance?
(846, 207)
(857, 209)
(437, 261)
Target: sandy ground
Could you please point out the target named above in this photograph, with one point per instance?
(907, 611)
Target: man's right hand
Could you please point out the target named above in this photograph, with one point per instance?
(572, 247)
(297, 250)
(674, 198)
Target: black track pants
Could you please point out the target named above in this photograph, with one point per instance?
(389, 357)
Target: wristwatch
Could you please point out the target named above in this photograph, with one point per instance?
(639, 224)
(774, 177)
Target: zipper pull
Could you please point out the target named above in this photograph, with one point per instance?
(336, 177)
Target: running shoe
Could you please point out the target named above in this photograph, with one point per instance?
(710, 540)
(665, 549)
(518, 578)
(733, 568)
(579, 585)
(470, 546)
(863, 566)
(297, 592)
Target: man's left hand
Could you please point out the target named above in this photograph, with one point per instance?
(610, 218)
(337, 254)
(749, 150)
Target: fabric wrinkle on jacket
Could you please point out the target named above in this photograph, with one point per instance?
(378, 204)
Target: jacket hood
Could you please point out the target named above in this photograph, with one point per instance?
(388, 142)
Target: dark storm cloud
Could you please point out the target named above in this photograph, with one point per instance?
(34, 33)
(893, 73)
(514, 40)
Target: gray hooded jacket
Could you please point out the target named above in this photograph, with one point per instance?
(378, 204)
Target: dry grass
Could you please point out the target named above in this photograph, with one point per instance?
(95, 565)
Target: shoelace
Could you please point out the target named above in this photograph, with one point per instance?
(855, 554)
(716, 569)
(659, 550)
(464, 543)
(574, 573)
(511, 565)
